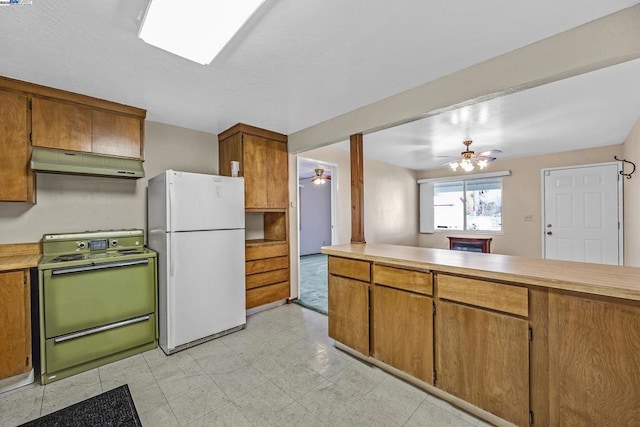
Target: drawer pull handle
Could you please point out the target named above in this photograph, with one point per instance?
(103, 266)
(100, 329)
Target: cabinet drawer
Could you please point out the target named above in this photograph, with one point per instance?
(409, 280)
(359, 270)
(268, 264)
(96, 344)
(495, 296)
(267, 251)
(266, 294)
(262, 279)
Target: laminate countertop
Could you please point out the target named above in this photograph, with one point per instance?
(597, 279)
(19, 256)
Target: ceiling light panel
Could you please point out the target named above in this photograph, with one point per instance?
(195, 29)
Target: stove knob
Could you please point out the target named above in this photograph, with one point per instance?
(82, 245)
(114, 242)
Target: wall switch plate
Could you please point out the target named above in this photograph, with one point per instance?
(528, 217)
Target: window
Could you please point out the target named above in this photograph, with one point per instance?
(468, 205)
(462, 204)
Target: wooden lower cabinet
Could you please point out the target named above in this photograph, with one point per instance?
(483, 357)
(594, 360)
(267, 274)
(15, 323)
(349, 312)
(403, 331)
(266, 294)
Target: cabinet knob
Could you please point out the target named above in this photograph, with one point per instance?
(549, 233)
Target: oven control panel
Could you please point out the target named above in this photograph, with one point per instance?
(103, 244)
(98, 245)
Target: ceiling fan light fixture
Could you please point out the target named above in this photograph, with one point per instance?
(469, 159)
(467, 165)
(319, 179)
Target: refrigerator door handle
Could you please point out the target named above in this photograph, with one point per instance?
(172, 254)
(171, 197)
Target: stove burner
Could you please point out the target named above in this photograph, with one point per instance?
(72, 257)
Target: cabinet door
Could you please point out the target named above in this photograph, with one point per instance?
(594, 363)
(483, 357)
(403, 331)
(278, 173)
(349, 313)
(15, 175)
(61, 125)
(15, 324)
(116, 135)
(255, 172)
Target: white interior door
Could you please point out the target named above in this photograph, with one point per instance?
(582, 214)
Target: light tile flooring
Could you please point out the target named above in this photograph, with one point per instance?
(282, 370)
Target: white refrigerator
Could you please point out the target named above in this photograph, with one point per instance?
(196, 224)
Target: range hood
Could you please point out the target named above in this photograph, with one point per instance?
(73, 163)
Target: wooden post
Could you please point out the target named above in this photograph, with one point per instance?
(357, 189)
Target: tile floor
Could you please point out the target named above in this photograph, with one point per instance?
(282, 370)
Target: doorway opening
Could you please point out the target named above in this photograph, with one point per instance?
(317, 190)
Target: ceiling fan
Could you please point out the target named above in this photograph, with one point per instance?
(320, 178)
(468, 159)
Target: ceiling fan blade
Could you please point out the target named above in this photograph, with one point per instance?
(486, 158)
(447, 163)
(491, 153)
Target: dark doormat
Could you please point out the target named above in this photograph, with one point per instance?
(111, 408)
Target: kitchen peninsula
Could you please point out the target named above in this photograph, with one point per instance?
(510, 339)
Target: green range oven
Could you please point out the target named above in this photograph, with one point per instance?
(97, 300)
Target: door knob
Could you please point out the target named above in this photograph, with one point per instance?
(548, 225)
(549, 233)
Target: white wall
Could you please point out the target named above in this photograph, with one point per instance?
(67, 203)
(390, 203)
(521, 195)
(631, 152)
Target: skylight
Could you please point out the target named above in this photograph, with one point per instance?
(196, 29)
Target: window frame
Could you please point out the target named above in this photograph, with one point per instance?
(426, 190)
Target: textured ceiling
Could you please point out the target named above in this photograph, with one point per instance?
(589, 110)
(295, 64)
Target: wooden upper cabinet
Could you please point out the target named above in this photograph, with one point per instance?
(75, 127)
(116, 134)
(15, 175)
(277, 168)
(60, 125)
(255, 172)
(264, 164)
(15, 318)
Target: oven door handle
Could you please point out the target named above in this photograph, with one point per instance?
(100, 329)
(93, 267)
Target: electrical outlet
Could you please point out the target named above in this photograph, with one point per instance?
(528, 217)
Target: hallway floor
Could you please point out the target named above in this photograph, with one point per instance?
(313, 282)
